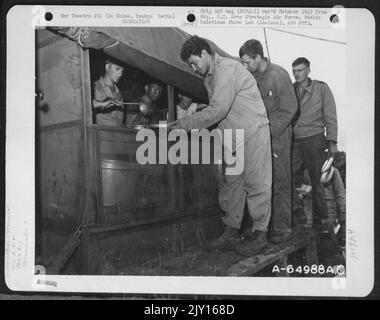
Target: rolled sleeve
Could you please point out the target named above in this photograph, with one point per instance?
(99, 93)
(329, 113)
(192, 109)
(222, 98)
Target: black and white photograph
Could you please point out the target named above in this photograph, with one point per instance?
(193, 150)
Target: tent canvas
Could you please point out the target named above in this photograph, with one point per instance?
(155, 50)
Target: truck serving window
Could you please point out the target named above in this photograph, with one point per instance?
(118, 90)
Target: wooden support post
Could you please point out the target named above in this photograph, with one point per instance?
(283, 264)
(86, 87)
(171, 106)
(89, 210)
(311, 253)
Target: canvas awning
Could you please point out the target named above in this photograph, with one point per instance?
(155, 50)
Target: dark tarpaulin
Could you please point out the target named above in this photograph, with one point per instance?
(155, 50)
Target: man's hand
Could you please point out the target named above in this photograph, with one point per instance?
(184, 123)
(117, 103)
(174, 125)
(333, 149)
(102, 106)
(201, 106)
(113, 103)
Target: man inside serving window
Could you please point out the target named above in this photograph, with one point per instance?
(108, 99)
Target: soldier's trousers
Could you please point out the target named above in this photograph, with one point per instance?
(309, 153)
(282, 182)
(253, 185)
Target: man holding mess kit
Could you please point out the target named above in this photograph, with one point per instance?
(235, 103)
(280, 100)
(317, 114)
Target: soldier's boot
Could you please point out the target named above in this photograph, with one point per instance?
(253, 244)
(226, 240)
(280, 236)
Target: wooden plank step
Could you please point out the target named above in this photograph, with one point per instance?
(196, 261)
(251, 265)
(271, 254)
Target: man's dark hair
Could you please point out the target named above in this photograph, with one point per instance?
(301, 60)
(111, 60)
(251, 48)
(154, 83)
(194, 46)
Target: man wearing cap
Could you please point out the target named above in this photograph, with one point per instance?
(108, 99)
(317, 114)
(235, 103)
(278, 94)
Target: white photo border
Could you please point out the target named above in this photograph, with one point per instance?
(20, 178)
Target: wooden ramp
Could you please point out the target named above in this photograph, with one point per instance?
(203, 262)
(304, 239)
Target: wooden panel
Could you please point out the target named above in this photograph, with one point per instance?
(199, 181)
(59, 78)
(200, 189)
(133, 191)
(171, 106)
(137, 246)
(115, 147)
(60, 188)
(130, 191)
(126, 136)
(59, 171)
(134, 201)
(61, 174)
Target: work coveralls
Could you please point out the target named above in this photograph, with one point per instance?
(280, 100)
(235, 103)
